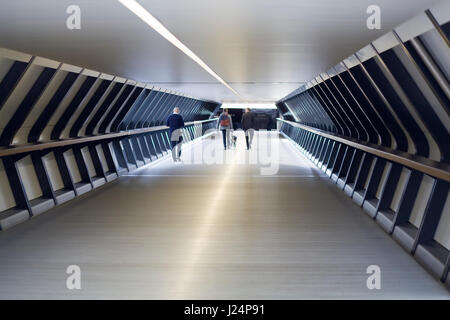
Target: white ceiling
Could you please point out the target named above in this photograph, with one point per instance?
(263, 48)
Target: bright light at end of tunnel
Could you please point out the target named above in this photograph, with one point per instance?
(251, 105)
(145, 16)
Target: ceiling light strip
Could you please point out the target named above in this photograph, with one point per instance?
(145, 16)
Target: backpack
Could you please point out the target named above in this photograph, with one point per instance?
(224, 121)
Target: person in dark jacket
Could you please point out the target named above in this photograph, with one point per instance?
(175, 123)
(248, 125)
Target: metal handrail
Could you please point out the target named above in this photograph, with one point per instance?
(427, 166)
(25, 148)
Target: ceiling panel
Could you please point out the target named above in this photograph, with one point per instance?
(264, 49)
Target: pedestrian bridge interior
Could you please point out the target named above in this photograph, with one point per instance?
(351, 169)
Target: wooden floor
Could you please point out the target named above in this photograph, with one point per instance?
(216, 231)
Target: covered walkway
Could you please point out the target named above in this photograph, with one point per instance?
(211, 231)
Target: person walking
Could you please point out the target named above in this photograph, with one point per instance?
(248, 125)
(225, 124)
(175, 123)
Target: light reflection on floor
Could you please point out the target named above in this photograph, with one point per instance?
(218, 231)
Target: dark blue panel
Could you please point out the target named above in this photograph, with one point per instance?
(89, 107)
(11, 78)
(103, 108)
(125, 108)
(73, 105)
(115, 108)
(51, 107)
(26, 106)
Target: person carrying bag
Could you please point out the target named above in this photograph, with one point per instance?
(225, 124)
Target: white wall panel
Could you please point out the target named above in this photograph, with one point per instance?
(6, 197)
(29, 178)
(53, 171)
(442, 234)
(72, 165)
(421, 201)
